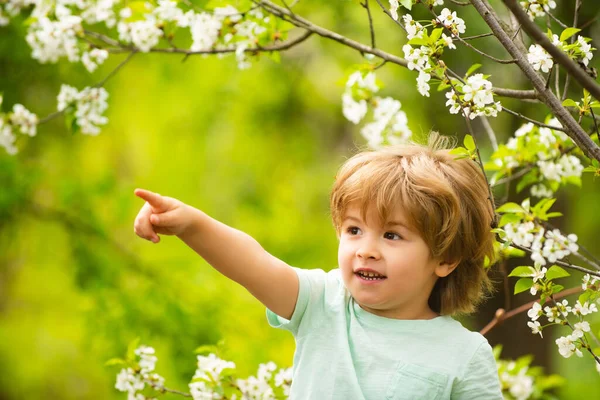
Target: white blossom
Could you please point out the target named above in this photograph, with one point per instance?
(413, 28)
(521, 385)
(51, 40)
(566, 346)
(394, 5)
(422, 84)
(93, 58)
(535, 311)
(449, 20)
(584, 309)
(535, 327)
(538, 8)
(89, 104)
(129, 381)
(586, 49)
(25, 120)
(7, 137)
(147, 358)
(539, 58)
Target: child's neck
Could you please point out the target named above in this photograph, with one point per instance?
(408, 314)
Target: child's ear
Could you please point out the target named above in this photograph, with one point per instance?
(445, 268)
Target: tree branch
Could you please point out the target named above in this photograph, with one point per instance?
(559, 56)
(502, 315)
(366, 6)
(573, 129)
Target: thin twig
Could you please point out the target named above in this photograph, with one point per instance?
(533, 121)
(469, 45)
(366, 6)
(386, 11)
(558, 262)
(558, 21)
(478, 36)
(114, 71)
(490, 131)
(502, 315)
(587, 346)
(479, 160)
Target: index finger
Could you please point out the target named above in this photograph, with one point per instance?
(154, 199)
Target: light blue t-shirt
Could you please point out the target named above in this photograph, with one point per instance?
(345, 352)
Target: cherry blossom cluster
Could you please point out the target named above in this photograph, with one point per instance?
(538, 8)
(19, 120)
(474, 98)
(57, 29)
(542, 148)
(389, 125)
(518, 383)
(519, 379)
(580, 50)
(423, 58)
(86, 107)
(213, 378)
(451, 21)
(547, 246)
(134, 379)
(558, 315)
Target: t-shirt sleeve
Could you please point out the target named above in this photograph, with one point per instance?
(480, 380)
(311, 292)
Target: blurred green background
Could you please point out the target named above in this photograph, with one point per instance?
(256, 149)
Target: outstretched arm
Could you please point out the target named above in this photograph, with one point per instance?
(232, 252)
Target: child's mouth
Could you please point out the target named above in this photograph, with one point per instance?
(370, 276)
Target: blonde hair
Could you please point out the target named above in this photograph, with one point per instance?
(446, 200)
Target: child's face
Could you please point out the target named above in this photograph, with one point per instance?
(399, 257)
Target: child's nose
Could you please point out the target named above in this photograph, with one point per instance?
(368, 249)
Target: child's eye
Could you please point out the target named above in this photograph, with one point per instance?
(392, 236)
(353, 230)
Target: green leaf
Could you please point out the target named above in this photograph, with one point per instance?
(472, 69)
(509, 219)
(114, 361)
(523, 284)
(435, 34)
(567, 33)
(275, 56)
(418, 41)
(529, 178)
(510, 208)
(522, 272)
(133, 345)
(584, 297)
(406, 4)
(557, 288)
(570, 103)
(497, 350)
(206, 349)
(469, 142)
(499, 232)
(556, 272)
(554, 214)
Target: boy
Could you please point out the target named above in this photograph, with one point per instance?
(414, 230)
